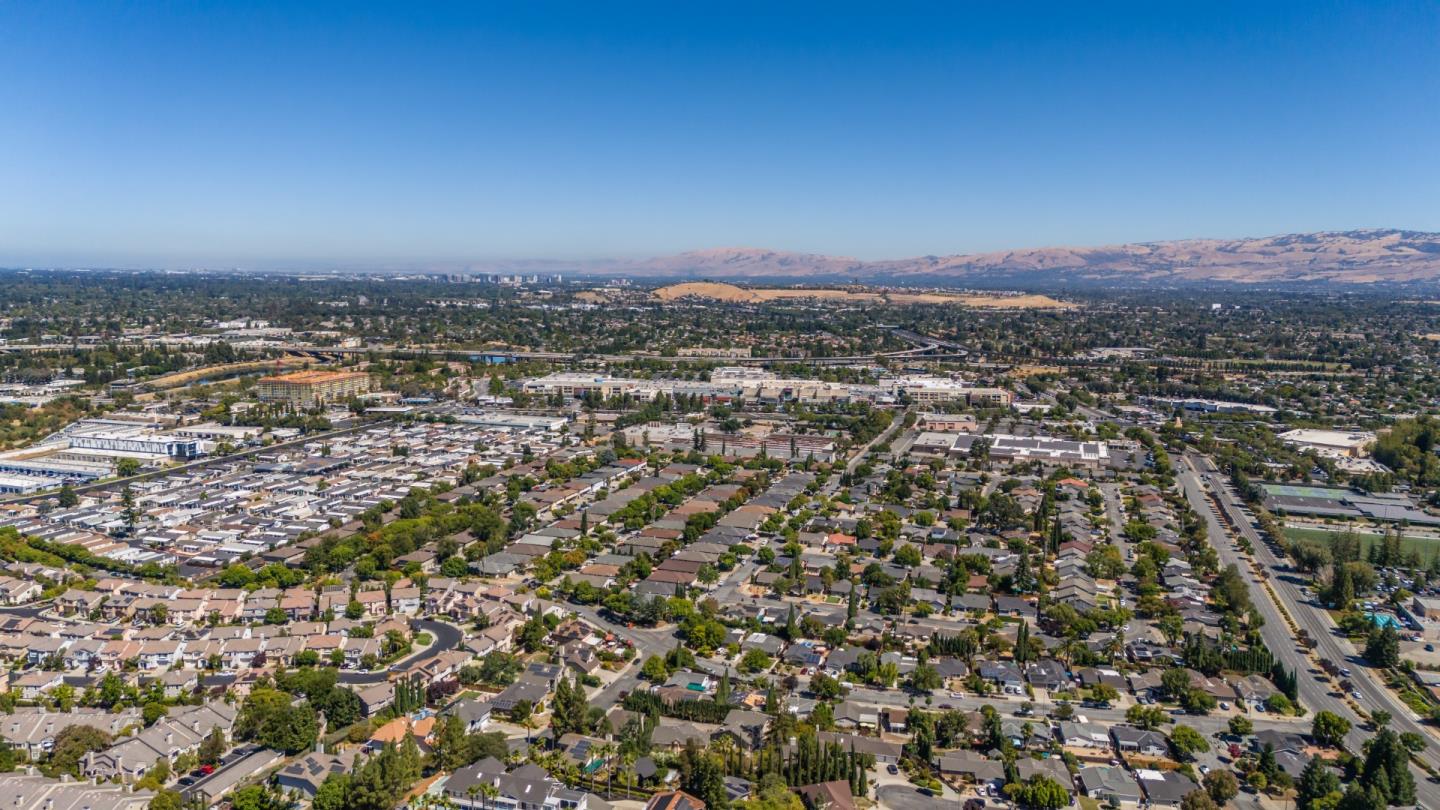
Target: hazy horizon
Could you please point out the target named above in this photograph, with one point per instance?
(347, 136)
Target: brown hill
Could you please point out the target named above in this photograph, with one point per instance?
(1348, 257)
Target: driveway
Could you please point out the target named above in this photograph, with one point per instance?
(906, 797)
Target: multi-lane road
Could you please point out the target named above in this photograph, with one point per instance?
(1208, 492)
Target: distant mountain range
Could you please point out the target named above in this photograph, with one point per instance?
(1370, 257)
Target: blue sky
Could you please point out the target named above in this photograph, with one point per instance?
(260, 134)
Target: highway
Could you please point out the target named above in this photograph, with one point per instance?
(1315, 695)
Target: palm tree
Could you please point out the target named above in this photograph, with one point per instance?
(1114, 646)
(603, 752)
(627, 761)
(491, 793)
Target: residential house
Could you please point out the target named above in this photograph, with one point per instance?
(1132, 740)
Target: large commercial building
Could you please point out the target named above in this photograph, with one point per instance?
(934, 390)
(138, 441)
(764, 387)
(1021, 449)
(306, 389)
(1335, 502)
(1334, 443)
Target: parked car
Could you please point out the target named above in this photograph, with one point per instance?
(892, 768)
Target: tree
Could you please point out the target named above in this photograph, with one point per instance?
(1231, 591)
(1319, 787)
(755, 660)
(1104, 692)
(1342, 588)
(908, 556)
(1105, 562)
(212, 748)
(68, 498)
(655, 670)
(1413, 742)
(702, 775)
(71, 745)
(341, 706)
(165, 800)
(1221, 785)
(1187, 742)
(925, 678)
(1146, 717)
(569, 710)
(128, 510)
(1360, 798)
(256, 797)
(379, 783)
(333, 793)
(267, 717)
(1198, 701)
(1176, 682)
(451, 749)
(1329, 729)
(1241, 725)
(773, 797)
(1387, 769)
(1198, 800)
(824, 687)
(1382, 647)
(1024, 650)
(1265, 764)
(1040, 792)
(1171, 626)
(532, 634)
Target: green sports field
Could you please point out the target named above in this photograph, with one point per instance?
(1427, 547)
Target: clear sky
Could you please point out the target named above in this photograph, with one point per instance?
(261, 133)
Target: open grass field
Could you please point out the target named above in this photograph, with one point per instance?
(1426, 546)
(716, 291)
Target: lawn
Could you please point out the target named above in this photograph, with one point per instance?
(1427, 547)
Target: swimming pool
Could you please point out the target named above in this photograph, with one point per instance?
(1383, 620)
